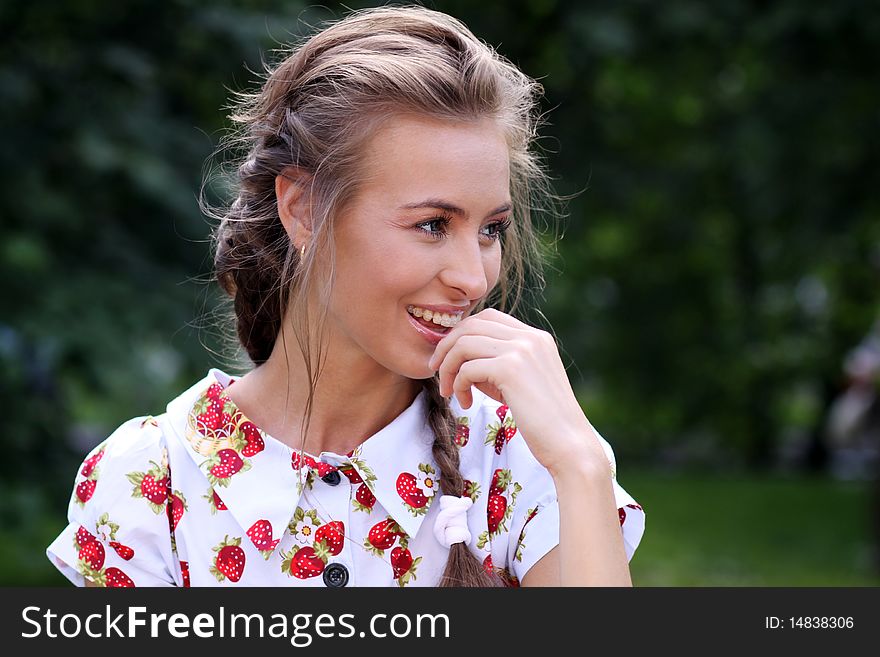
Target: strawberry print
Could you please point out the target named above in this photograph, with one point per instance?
(152, 485)
(83, 537)
(209, 426)
(507, 578)
(248, 439)
(351, 474)
(417, 491)
(84, 491)
(501, 433)
(123, 551)
(471, 489)
(223, 465)
(382, 536)
(260, 534)
(364, 500)
(363, 470)
(214, 501)
(488, 566)
(462, 431)
(331, 536)
(303, 562)
(230, 560)
(88, 468)
(304, 525)
(403, 565)
(498, 511)
(91, 556)
(520, 544)
(116, 579)
(184, 573)
(175, 507)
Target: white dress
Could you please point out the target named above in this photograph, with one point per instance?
(200, 496)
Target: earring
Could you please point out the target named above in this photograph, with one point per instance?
(302, 252)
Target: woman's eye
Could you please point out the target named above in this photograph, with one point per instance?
(497, 228)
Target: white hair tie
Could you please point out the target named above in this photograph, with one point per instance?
(451, 525)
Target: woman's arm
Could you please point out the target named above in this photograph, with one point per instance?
(590, 550)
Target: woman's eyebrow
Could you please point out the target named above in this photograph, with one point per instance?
(439, 204)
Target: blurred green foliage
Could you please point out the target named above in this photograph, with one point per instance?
(720, 255)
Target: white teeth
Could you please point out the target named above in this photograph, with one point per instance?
(442, 319)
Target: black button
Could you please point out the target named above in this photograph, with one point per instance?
(332, 478)
(335, 575)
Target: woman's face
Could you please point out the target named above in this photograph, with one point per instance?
(422, 231)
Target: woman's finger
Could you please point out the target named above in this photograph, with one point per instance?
(478, 324)
(468, 347)
(482, 373)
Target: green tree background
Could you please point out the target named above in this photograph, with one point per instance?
(720, 257)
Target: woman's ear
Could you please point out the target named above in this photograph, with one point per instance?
(294, 208)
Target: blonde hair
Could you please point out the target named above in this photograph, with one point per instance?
(313, 114)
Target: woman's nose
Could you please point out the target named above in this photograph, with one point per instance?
(466, 269)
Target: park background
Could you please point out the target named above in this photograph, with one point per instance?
(720, 257)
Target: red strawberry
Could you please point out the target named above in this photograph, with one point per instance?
(83, 537)
(122, 550)
(499, 439)
(462, 432)
(213, 417)
(621, 513)
(260, 534)
(92, 554)
(364, 499)
(403, 565)
(409, 491)
(85, 490)
(500, 481)
(215, 501)
(296, 462)
(155, 490)
(382, 535)
(230, 560)
(175, 508)
(255, 443)
(90, 463)
(488, 566)
(401, 561)
(471, 489)
(229, 463)
(352, 475)
(214, 391)
(305, 563)
(218, 502)
(325, 468)
(184, 572)
(333, 535)
(116, 579)
(501, 412)
(495, 511)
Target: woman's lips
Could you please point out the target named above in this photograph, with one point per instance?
(431, 335)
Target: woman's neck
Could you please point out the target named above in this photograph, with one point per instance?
(351, 401)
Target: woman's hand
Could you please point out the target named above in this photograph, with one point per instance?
(519, 365)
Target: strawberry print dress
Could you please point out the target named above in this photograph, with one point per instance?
(200, 496)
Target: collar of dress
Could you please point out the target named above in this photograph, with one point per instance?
(260, 479)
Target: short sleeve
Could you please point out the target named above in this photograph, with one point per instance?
(631, 514)
(534, 529)
(118, 533)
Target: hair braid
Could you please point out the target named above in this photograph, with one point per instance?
(462, 568)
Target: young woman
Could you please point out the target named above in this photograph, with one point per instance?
(397, 428)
